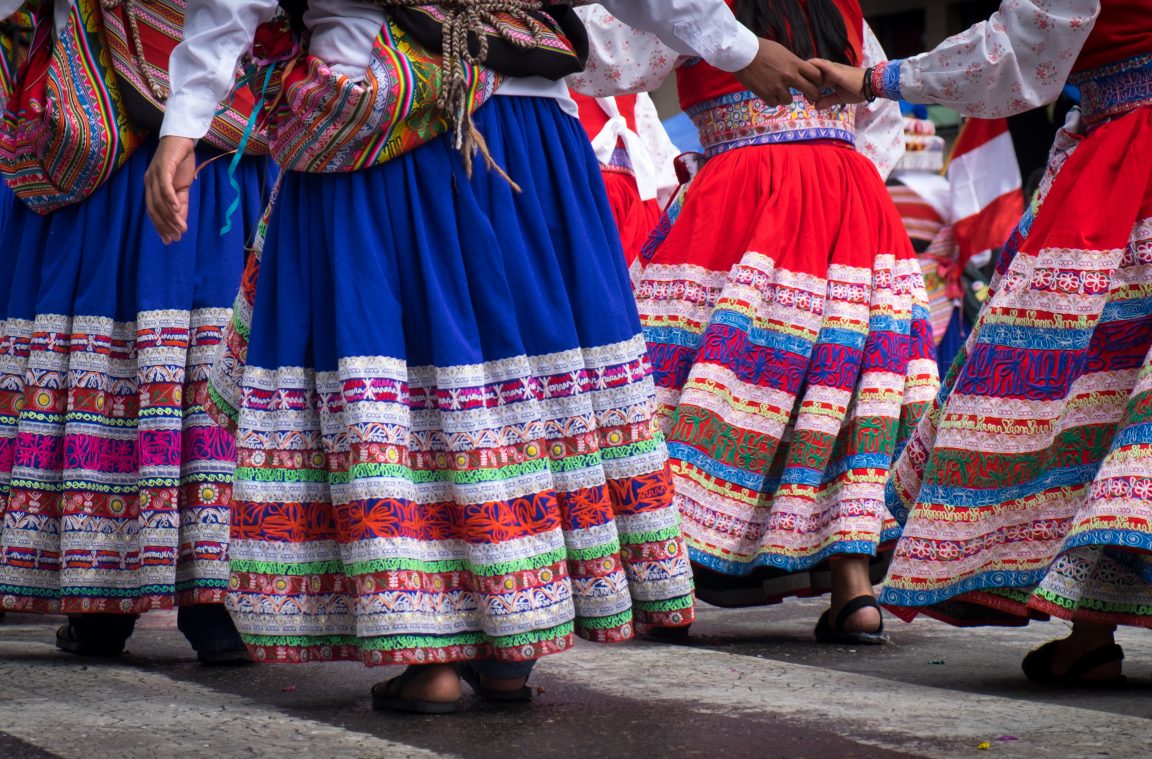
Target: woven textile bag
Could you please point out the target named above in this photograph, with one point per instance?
(320, 121)
(65, 129)
(141, 35)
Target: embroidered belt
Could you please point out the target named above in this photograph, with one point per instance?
(619, 163)
(742, 119)
(1116, 89)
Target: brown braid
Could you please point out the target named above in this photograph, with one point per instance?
(159, 91)
(463, 18)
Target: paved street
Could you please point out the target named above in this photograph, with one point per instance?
(749, 684)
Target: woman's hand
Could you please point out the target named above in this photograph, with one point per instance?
(846, 83)
(168, 183)
(774, 70)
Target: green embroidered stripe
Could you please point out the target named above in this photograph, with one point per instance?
(671, 604)
(594, 552)
(398, 471)
(252, 474)
(1093, 604)
(85, 592)
(238, 324)
(57, 487)
(401, 642)
(300, 641)
(638, 448)
(282, 569)
(74, 417)
(606, 623)
(484, 570)
(462, 477)
(654, 536)
(20, 592)
(396, 564)
(1019, 595)
(151, 483)
(423, 476)
(201, 584)
(224, 406)
(41, 417)
(984, 469)
(193, 409)
(535, 636)
(200, 478)
(158, 412)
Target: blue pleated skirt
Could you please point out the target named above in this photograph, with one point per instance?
(114, 484)
(444, 413)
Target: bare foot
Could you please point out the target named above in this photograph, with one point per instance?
(501, 684)
(436, 683)
(850, 580)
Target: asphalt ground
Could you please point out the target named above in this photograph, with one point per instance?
(747, 683)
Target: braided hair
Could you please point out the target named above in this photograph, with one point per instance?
(294, 9)
(809, 28)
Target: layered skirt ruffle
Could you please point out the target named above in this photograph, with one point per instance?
(114, 483)
(444, 413)
(787, 324)
(1028, 485)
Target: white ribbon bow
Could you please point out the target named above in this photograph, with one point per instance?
(615, 131)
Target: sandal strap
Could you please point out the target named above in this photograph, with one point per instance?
(1093, 659)
(853, 606)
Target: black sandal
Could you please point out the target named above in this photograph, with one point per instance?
(229, 657)
(67, 641)
(668, 634)
(1037, 667)
(829, 633)
(388, 696)
(469, 674)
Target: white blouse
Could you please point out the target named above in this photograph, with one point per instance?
(622, 60)
(217, 32)
(1017, 60)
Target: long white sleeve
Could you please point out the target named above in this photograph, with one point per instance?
(1017, 60)
(8, 7)
(621, 60)
(879, 124)
(217, 32)
(202, 69)
(703, 28)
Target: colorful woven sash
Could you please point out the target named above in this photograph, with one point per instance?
(1115, 90)
(141, 35)
(320, 121)
(742, 119)
(65, 128)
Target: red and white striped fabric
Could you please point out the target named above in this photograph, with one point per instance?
(987, 194)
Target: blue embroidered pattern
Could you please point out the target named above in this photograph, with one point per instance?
(1114, 90)
(890, 80)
